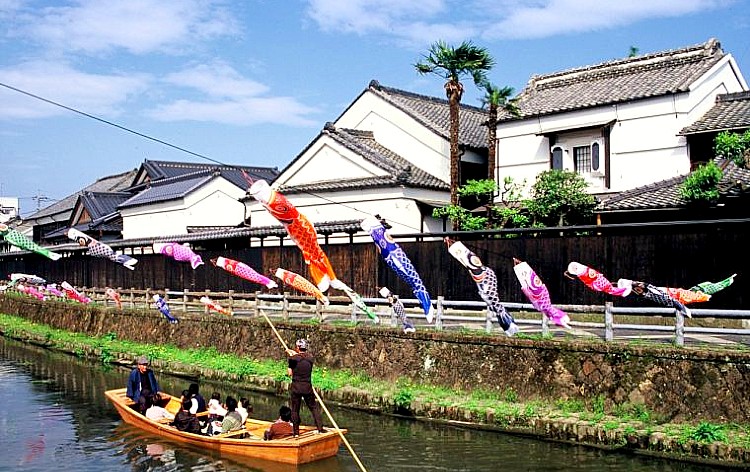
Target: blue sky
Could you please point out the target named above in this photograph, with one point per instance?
(253, 82)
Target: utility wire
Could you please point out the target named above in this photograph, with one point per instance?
(165, 143)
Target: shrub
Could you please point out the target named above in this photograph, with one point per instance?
(701, 186)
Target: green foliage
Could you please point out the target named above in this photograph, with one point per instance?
(733, 146)
(599, 404)
(403, 398)
(510, 395)
(705, 432)
(451, 63)
(701, 186)
(570, 406)
(559, 198)
(465, 220)
(478, 188)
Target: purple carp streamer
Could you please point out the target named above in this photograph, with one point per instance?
(399, 262)
(654, 294)
(179, 252)
(99, 249)
(161, 304)
(398, 309)
(537, 293)
(22, 242)
(594, 280)
(486, 281)
(709, 288)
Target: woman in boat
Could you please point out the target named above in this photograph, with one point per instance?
(154, 411)
(282, 428)
(244, 408)
(233, 419)
(300, 370)
(216, 411)
(186, 421)
(199, 403)
(141, 383)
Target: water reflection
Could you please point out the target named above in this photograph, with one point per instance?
(54, 415)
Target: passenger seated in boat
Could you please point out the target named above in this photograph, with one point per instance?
(186, 421)
(216, 412)
(283, 427)
(233, 419)
(244, 408)
(199, 403)
(141, 384)
(154, 411)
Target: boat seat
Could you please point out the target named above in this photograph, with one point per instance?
(231, 434)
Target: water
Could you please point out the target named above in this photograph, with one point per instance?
(54, 416)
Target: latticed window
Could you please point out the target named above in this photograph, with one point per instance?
(582, 159)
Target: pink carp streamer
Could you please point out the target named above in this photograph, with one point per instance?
(302, 284)
(594, 280)
(300, 230)
(240, 269)
(53, 290)
(212, 305)
(179, 252)
(537, 293)
(115, 296)
(30, 290)
(74, 294)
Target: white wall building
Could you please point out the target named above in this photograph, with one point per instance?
(9, 209)
(617, 123)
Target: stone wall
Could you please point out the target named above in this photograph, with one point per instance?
(679, 384)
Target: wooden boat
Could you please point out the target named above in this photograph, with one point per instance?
(309, 446)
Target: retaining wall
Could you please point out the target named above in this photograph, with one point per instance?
(682, 384)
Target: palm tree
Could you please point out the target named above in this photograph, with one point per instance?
(451, 64)
(495, 98)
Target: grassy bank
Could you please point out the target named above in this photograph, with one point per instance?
(629, 426)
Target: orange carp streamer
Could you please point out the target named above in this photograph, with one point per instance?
(300, 230)
(300, 283)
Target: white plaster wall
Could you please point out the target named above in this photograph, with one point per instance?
(327, 160)
(215, 204)
(400, 133)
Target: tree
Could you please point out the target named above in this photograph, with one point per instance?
(701, 186)
(733, 146)
(559, 198)
(452, 63)
(495, 98)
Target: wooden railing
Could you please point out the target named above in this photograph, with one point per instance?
(449, 314)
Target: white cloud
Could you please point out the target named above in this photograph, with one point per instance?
(538, 19)
(420, 23)
(91, 93)
(217, 80)
(231, 99)
(243, 111)
(137, 26)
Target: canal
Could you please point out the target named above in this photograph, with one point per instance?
(54, 416)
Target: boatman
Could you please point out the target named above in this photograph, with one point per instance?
(300, 370)
(142, 383)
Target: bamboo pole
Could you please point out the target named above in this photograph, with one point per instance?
(320, 400)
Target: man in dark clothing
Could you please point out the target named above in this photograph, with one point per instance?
(186, 421)
(199, 405)
(300, 369)
(142, 383)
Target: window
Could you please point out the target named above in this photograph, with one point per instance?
(582, 159)
(595, 164)
(557, 158)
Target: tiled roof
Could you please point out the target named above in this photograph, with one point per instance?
(617, 81)
(666, 194)
(112, 183)
(171, 188)
(434, 113)
(158, 170)
(731, 112)
(400, 171)
(100, 204)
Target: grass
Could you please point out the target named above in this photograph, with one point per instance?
(404, 394)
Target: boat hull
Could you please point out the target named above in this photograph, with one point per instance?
(310, 446)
